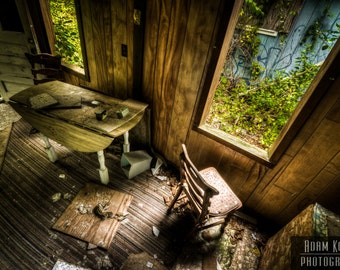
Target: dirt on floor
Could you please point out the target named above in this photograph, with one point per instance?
(142, 261)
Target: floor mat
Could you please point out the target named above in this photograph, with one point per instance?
(94, 215)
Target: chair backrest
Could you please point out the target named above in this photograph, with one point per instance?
(45, 67)
(196, 188)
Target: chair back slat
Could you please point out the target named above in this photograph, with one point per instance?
(197, 190)
(211, 205)
(45, 67)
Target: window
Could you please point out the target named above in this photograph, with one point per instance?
(263, 71)
(69, 41)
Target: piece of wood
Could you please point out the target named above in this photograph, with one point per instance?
(79, 220)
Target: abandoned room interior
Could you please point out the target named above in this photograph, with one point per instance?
(141, 102)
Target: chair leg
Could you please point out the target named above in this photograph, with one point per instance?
(179, 191)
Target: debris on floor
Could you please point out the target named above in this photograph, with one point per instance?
(237, 246)
(155, 231)
(56, 197)
(142, 261)
(61, 265)
(104, 262)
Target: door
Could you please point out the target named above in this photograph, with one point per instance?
(15, 40)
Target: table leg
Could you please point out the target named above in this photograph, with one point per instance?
(103, 171)
(126, 146)
(49, 149)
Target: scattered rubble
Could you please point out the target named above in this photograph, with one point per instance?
(56, 197)
(155, 231)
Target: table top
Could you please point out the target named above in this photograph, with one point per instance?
(78, 106)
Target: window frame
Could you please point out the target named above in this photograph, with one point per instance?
(306, 105)
(50, 38)
(71, 68)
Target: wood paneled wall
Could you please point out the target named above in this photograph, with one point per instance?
(179, 38)
(108, 25)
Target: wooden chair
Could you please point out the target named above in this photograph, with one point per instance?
(45, 67)
(210, 197)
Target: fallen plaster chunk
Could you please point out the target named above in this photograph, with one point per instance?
(91, 246)
(155, 231)
(149, 264)
(158, 164)
(56, 197)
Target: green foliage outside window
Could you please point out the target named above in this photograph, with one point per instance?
(257, 110)
(66, 31)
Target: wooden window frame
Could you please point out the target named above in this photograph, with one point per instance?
(306, 105)
(46, 35)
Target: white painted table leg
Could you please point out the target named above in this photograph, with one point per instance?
(126, 146)
(49, 149)
(103, 171)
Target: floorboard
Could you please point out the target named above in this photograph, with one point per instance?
(28, 182)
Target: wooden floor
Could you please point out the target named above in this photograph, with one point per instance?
(28, 182)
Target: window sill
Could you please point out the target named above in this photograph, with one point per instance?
(236, 144)
(76, 71)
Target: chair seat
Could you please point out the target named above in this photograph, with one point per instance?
(226, 200)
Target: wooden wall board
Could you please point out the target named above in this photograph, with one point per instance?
(309, 195)
(8, 48)
(164, 96)
(90, 44)
(225, 163)
(150, 48)
(273, 202)
(118, 38)
(17, 79)
(314, 155)
(265, 183)
(334, 165)
(330, 196)
(79, 220)
(14, 60)
(240, 174)
(330, 98)
(202, 18)
(334, 112)
(99, 47)
(14, 70)
(249, 184)
(131, 35)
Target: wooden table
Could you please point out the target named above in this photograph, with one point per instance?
(67, 114)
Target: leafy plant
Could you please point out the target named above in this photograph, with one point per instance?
(257, 109)
(257, 114)
(66, 31)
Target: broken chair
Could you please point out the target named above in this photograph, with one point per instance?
(210, 197)
(45, 67)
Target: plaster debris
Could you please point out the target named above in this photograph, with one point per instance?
(155, 231)
(56, 197)
(149, 264)
(67, 196)
(104, 262)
